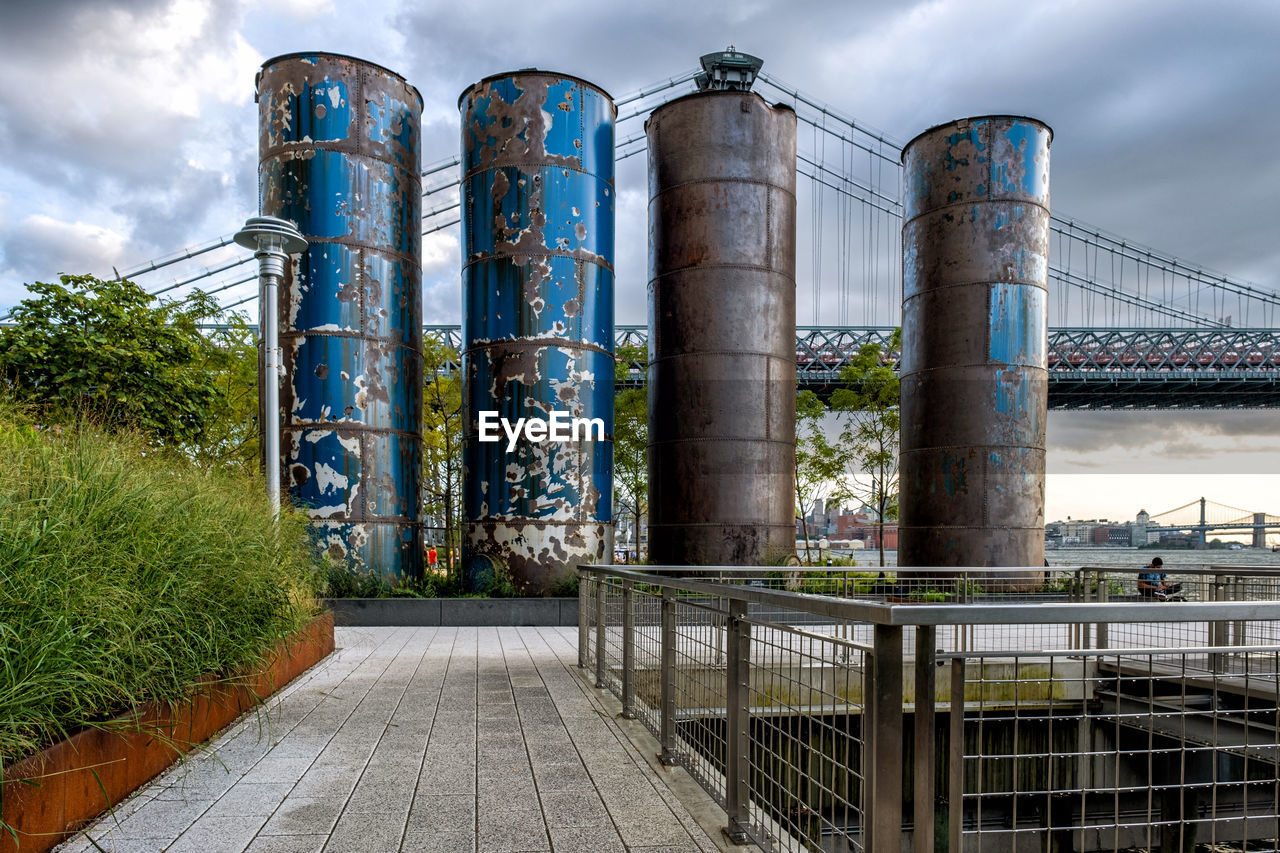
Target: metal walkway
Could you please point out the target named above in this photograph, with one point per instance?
(439, 740)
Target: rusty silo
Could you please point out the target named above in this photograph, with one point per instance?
(975, 250)
(339, 147)
(537, 283)
(722, 371)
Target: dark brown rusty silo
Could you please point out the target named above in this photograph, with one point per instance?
(974, 374)
(722, 176)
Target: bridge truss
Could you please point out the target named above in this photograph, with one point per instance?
(1088, 368)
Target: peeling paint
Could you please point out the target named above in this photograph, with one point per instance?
(339, 144)
(975, 350)
(538, 320)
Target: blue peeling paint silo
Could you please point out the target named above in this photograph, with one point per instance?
(537, 289)
(339, 145)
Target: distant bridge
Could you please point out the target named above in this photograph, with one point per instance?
(1088, 368)
(1202, 516)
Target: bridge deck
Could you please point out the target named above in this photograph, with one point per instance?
(419, 739)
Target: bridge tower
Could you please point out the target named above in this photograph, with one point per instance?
(1260, 530)
(1200, 531)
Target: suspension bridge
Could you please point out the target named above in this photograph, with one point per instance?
(1088, 368)
(1199, 517)
(1130, 326)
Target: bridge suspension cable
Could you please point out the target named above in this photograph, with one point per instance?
(854, 171)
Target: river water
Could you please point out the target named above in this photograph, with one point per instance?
(1125, 558)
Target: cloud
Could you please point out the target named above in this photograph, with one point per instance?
(302, 10)
(76, 246)
(1164, 442)
(119, 127)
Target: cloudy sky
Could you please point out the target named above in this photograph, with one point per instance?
(127, 131)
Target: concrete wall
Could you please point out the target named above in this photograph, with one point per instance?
(361, 612)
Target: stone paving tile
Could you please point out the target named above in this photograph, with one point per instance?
(592, 839)
(328, 780)
(381, 797)
(366, 833)
(159, 819)
(288, 844)
(249, 799)
(375, 750)
(511, 831)
(443, 813)
(574, 808)
(654, 833)
(305, 816)
(110, 844)
(439, 841)
(561, 777)
(218, 835)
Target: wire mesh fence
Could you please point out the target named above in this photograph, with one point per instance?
(1102, 750)
(824, 721)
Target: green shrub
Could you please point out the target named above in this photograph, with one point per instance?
(127, 573)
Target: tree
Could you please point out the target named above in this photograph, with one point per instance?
(819, 463)
(109, 350)
(442, 444)
(231, 435)
(631, 440)
(868, 406)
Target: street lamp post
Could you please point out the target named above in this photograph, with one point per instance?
(273, 241)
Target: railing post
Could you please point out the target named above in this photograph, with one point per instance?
(882, 742)
(628, 650)
(925, 752)
(584, 635)
(1238, 593)
(718, 632)
(738, 724)
(1079, 592)
(1100, 632)
(602, 590)
(667, 729)
(955, 760)
(1218, 630)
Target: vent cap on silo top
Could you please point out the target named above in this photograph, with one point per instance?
(728, 69)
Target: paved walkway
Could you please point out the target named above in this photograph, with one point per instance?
(438, 740)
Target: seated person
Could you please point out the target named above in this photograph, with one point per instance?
(1154, 583)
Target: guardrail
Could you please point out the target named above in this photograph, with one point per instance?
(806, 716)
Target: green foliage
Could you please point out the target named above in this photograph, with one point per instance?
(819, 463)
(108, 350)
(231, 433)
(869, 413)
(341, 582)
(631, 442)
(130, 572)
(500, 585)
(566, 588)
(442, 447)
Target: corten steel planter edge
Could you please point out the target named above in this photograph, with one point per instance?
(71, 776)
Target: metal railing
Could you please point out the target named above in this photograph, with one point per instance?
(805, 714)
